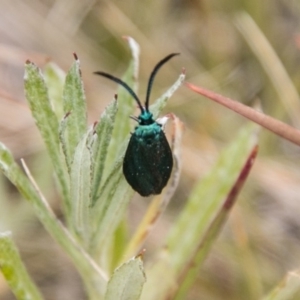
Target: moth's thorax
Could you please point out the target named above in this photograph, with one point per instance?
(147, 131)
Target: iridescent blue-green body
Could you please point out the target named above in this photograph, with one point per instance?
(148, 160)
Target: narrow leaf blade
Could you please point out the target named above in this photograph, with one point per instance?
(80, 188)
(198, 215)
(55, 78)
(100, 146)
(161, 102)
(15, 272)
(47, 123)
(125, 108)
(75, 104)
(109, 211)
(190, 272)
(127, 281)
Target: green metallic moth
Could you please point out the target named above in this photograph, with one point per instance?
(148, 160)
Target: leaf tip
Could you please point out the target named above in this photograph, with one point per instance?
(75, 56)
(94, 126)
(67, 115)
(140, 254)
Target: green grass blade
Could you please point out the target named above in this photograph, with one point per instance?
(47, 123)
(75, 104)
(273, 66)
(15, 272)
(208, 197)
(127, 281)
(100, 147)
(190, 272)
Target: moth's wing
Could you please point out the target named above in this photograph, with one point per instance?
(148, 163)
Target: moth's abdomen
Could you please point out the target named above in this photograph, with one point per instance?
(148, 160)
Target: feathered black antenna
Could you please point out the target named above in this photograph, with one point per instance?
(125, 85)
(151, 78)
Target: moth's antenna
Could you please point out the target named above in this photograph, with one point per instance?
(150, 82)
(125, 85)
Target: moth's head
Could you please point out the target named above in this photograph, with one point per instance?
(145, 118)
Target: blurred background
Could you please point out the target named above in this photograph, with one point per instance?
(247, 50)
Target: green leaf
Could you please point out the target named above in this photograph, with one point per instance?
(118, 244)
(64, 141)
(125, 109)
(161, 102)
(55, 78)
(75, 104)
(92, 275)
(110, 209)
(80, 188)
(47, 123)
(127, 281)
(14, 270)
(100, 147)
